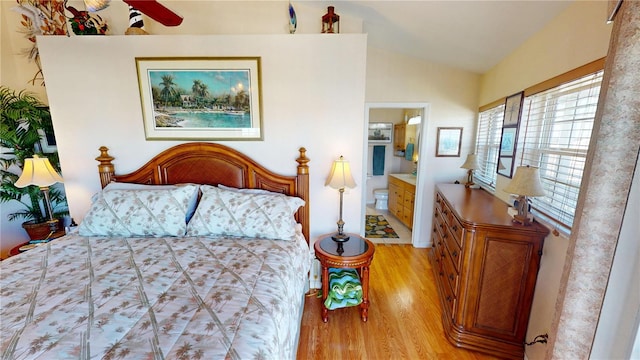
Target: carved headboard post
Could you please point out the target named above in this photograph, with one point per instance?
(303, 190)
(105, 168)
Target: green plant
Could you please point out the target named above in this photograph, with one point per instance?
(21, 116)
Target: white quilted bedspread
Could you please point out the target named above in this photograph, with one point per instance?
(153, 298)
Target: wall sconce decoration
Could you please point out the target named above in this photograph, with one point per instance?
(339, 178)
(330, 22)
(525, 183)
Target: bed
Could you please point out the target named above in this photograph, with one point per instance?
(202, 253)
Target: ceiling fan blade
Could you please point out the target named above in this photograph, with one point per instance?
(156, 11)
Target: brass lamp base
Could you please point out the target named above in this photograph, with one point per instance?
(522, 220)
(340, 238)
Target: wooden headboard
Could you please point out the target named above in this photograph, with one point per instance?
(213, 164)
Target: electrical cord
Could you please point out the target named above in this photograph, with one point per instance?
(542, 339)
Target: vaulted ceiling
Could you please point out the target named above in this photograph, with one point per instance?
(473, 35)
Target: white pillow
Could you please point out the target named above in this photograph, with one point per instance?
(233, 213)
(193, 202)
(142, 212)
(248, 191)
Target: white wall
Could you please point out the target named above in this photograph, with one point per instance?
(312, 93)
(452, 96)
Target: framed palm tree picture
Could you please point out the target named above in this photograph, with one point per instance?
(200, 98)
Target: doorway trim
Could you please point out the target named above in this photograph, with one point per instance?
(419, 227)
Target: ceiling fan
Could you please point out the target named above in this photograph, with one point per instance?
(151, 8)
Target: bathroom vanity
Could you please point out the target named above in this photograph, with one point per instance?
(402, 190)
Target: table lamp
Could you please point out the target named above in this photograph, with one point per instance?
(339, 178)
(525, 183)
(470, 164)
(38, 171)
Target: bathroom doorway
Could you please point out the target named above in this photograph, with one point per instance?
(398, 157)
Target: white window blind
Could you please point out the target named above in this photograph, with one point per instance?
(555, 132)
(488, 145)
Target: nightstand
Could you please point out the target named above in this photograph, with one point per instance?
(356, 253)
(17, 249)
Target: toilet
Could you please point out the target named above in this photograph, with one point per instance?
(382, 198)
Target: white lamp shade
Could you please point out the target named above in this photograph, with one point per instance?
(471, 163)
(38, 171)
(526, 181)
(340, 176)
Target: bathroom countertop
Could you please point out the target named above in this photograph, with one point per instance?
(408, 178)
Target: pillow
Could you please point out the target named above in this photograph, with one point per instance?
(233, 213)
(248, 191)
(193, 202)
(140, 212)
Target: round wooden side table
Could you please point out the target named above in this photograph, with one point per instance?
(356, 253)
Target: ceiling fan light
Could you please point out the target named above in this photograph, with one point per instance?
(96, 5)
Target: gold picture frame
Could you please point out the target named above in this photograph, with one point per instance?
(201, 98)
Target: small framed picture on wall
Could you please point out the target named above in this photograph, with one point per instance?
(512, 109)
(448, 142)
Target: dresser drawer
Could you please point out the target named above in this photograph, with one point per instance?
(456, 230)
(450, 273)
(439, 201)
(447, 214)
(454, 250)
(449, 295)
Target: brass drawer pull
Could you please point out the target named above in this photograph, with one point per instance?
(454, 253)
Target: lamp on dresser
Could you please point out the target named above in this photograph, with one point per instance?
(470, 164)
(339, 178)
(525, 183)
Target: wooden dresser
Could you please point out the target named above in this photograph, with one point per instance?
(486, 268)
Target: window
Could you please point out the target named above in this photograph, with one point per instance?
(488, 145)
(555, 131)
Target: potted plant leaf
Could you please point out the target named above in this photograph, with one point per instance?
(23, 120)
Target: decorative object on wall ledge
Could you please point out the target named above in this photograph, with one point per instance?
(330, 22)
(40, 18)
(96, 5)
(339, 178)
(470, 164)
(201, 98)
(136, 24)
(525, 183)
(293, 19)
(448, 142)
(156, 11)
(84, 23)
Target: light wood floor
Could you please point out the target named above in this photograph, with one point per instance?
(404, 316)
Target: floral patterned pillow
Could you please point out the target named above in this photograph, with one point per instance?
(233, 213)
(153, 212)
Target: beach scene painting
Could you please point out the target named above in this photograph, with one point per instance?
(200, 98)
